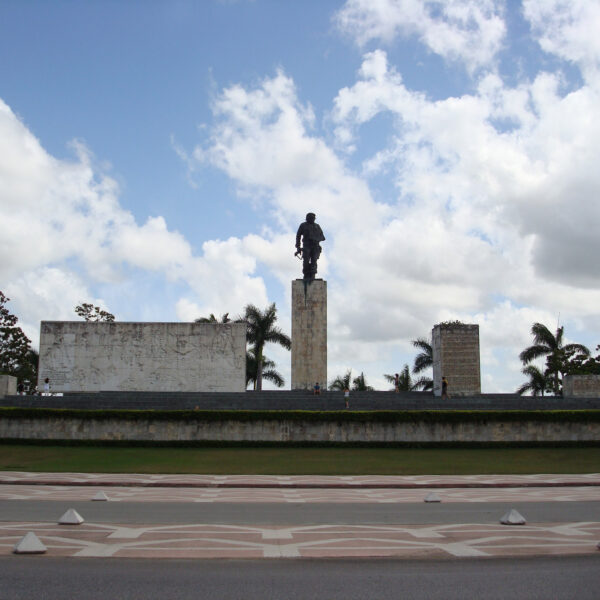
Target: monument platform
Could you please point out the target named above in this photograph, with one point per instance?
(295, 400)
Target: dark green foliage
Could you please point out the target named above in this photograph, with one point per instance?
(359, 384)
(89, 312)
(341, 382)
(539, 382)
(549, 345)
(371, 416)
(423, 361)
(582, 364)
(212, 319)
(405, 382)
(260, 330)
(15, 350)
(269, 372)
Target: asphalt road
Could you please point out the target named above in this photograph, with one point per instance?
(298, 514)
(548, 578)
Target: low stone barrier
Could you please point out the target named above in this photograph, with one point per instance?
(325, 430)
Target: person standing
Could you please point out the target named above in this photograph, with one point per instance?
(397, 383)
(445, 395)
(317, 389)
(46, 386)
(347, 397)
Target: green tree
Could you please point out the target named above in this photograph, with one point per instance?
(549, 345)
(269, 372)
(14, 344)
(341, 382)
(260, 330)
(359, 384)
(212, 319)
(539, 382)
(423, 361)
(580, 364)
(89, 312)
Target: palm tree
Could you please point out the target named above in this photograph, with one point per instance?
(423, 360)
(269, 373)
(359, 384)
(551, 346)
(405, 383)
(341, 382)
(260, 329)
(212, 319)
(538, 382)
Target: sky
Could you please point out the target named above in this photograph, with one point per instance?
(157, 157)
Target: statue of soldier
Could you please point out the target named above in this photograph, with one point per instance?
(311, 234)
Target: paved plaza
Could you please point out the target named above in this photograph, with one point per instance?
(286, 534)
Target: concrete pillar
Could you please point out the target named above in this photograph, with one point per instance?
(8, 385)
(456, 357)
(309, 334)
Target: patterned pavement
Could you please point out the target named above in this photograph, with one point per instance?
(198, 540)
(308, 481)
(235, 541)
(298, 495)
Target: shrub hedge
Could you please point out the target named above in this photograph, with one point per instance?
(374, 416)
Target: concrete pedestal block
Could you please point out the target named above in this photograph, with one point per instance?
(309, 334)
(8, 385)
(581, 386)
(456, 357)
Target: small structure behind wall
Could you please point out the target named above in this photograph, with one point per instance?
(8, 385)
(456, 357)
(581, 386)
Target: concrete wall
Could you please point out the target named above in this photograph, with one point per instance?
(296, 431)
(581, 386)
(8, 385)
(456, 357)
(309, 334)
(178, 357)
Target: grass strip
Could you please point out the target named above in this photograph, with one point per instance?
(300, 461)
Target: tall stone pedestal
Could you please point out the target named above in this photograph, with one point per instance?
(309, 334)
(456, 357)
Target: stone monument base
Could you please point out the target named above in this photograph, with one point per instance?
(309, 334)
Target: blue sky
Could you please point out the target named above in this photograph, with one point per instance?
(157, 157)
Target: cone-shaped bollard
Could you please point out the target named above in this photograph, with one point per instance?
(513, 517)
(71, 517)
(29, 544)
(432, 497)
(100, 496)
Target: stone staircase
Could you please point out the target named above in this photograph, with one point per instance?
(295, 400)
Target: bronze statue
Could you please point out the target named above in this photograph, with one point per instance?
(311, 234)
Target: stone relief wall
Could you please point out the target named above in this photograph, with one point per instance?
(177, 357)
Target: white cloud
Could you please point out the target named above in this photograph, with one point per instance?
(63, 231)
(568, 29)
(470, 31)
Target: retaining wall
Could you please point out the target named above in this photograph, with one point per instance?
(297, 430)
